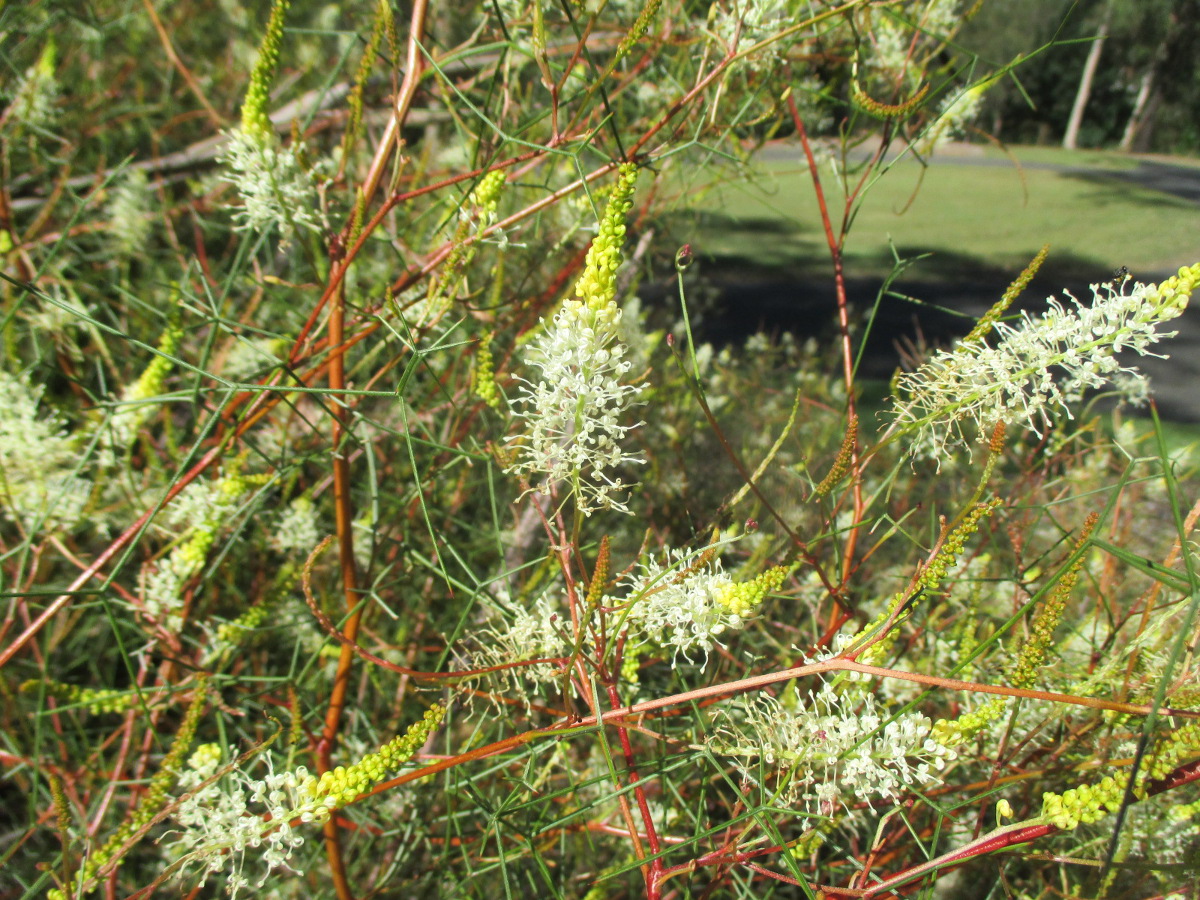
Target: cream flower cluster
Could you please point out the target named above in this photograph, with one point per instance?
(955, 113)
(687, 608)
(233, 814)
(129, 218)
(539, 632)
(751, 22)
(35, 97)
(682, 604)
(1039, 366)
(576, 409)
(297, 530)
(893, 33)
(228, 817)
(276, 191)
(38, 487)
(831, 750)
(201, 512)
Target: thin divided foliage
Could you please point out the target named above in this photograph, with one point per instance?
(365, 535)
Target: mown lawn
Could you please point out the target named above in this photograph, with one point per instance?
(982, 212)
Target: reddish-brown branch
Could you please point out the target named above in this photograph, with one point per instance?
(754, 682)
(836, 244)
(344, 519)
(185, 73)
(654, 870)
(122, 541)
(339, 438)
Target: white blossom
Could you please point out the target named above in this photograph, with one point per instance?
(129, 216)
(678, 604)
(38, 459)
(250, 357)
(832, 751)
(1034, 368)
(275, 190)
(236, 813)
(198, 515)
(892, 37)
(296, 530)
(752, 21)
(539, 632)
(956, 111)
(34, 99)
(576, 410)
(527, 629)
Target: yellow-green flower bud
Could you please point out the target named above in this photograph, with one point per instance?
(343, 785)
(255, 121)
(1085, 804)
(153, 800)
(93, 700)
(597, 286)
(953, 732)
(1181, 744)
(486, 195)
(483, 378)
(1172, 295)
(630, 668)
(1041, 636)
(743, 600)
(151, 382)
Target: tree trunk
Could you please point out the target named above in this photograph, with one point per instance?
(1071, 136)
(1144, 138)
(1139, 105)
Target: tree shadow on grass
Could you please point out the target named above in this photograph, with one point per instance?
(1179, 185)
(927, 306)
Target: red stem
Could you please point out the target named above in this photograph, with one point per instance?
(836, 245)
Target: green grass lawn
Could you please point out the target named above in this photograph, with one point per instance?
(1111, 160)
(969, 215)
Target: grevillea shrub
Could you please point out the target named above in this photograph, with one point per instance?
(365, 535)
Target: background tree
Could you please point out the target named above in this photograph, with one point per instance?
(1145, 88)
(1162, 47)
(1071, 136)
